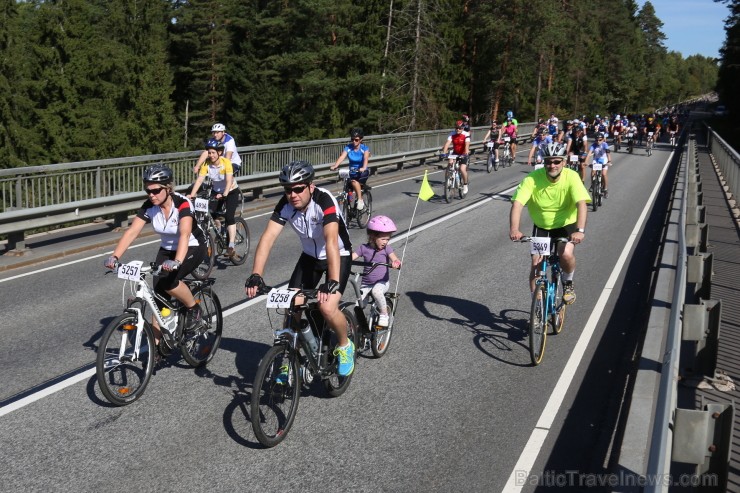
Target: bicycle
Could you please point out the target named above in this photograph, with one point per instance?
(217, 236)
(547, 300)
(372, 335)
(617, 141)
(574, 162)
(125, 359)
(348, 201)
(453, 178)
(492, 162)
(649, 144)
(630, 142)
(672, 138)
(597, 189)
(301, 352)
(507, 159)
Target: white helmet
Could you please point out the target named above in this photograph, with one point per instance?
(218, 127)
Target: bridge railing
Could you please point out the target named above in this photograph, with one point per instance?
(727, 159)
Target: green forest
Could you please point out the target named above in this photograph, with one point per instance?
(94, 79)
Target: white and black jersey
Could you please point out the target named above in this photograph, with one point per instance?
(168, 227)
(323, 209)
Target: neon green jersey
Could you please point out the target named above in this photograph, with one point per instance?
(551, 205)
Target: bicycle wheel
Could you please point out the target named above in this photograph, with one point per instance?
(537, 325)
(344, 201)
(491, 163)
(336, 385)
(449, 182)
(363, 216)
(557, 317)
(595, 194)
(381, 338)
(122, 377)
(198, 346)
(275, 395)
(209, 260)
(241, 242)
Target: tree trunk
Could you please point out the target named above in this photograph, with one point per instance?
(385, 52)
(539, 88)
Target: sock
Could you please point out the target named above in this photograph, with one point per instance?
(360, 204)
(231, 244)
(568, 276)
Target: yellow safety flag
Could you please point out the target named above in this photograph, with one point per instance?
(425, 192)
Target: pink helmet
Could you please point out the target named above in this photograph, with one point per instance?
(381, 224)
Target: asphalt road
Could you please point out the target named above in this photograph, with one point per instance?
(450, 407)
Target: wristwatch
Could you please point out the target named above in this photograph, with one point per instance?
(580, 230)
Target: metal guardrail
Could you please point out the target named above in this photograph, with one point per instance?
(57, 194)
(657, 432)
(727, 159)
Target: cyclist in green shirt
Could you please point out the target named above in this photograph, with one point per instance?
(557, 202)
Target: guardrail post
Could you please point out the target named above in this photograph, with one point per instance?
(257, 193)
(16, 241)
(120, 220)
(701, 324)
(704, 438)
(697, 235)
(699, 276)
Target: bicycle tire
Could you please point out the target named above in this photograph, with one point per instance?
(364, 215)
(122, 382)
(241, 242)
(199, 346)
(336, 385)
(448, 185)
(491, 163)
(557, 317)
(209, 260)
(381, 340)
(274, 404)
(344, 200)
(595, 194)
(537, 325)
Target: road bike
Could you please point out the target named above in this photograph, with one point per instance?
(453, 178)
(547, 300)
(126, 354)
(617, 141)
(302, 351)
(213, 223)
(491, 162)
(597, 186)
(371, 335)
(649, 144)
(507, 159)
(348, 201)
(672, 138)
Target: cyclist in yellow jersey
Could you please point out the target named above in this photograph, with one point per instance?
(557, 203)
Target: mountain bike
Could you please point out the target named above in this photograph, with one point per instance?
(370, 334)
(453, 178)
(649, 144)
(507, 159)
(217, 235)
(491, 162)
(348, 201)
(547, 300)
(125, 359)
(302, 351)
(597, 187)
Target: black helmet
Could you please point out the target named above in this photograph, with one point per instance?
(356, 132)
(214, 144)
(158, 173)
(296, 172)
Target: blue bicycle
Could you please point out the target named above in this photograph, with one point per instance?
(547, 299)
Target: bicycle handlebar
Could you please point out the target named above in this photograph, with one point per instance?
(527, 239)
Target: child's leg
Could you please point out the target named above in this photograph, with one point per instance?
(378, 293)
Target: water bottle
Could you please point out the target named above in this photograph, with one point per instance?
(309, 337)
(350, 196)
(169, 319)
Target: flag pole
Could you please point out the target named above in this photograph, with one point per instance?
(411, 223)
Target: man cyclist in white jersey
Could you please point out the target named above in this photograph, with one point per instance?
(218, 130)
(314, 215)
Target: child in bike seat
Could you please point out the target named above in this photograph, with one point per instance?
(377, 249)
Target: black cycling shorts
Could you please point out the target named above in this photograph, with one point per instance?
(228, 204)
(563, 232)
(169, 280)
(359, 177)
(309, 271)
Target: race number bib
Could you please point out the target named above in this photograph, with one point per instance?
(650, 134)
(573, 158)
(540, 245)
(629, 135)
(539, 165)
(507, 139)
(280, 298)
(616, 134)
(130, 271)
(201, 205)
(344, 173)
(490, 145)
(598, 166)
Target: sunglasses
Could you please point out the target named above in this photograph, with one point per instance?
(296, 190)
(552, 162)
(153, 191)
(357, 139)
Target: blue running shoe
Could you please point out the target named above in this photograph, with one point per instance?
(282, 377)
(346, 359)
